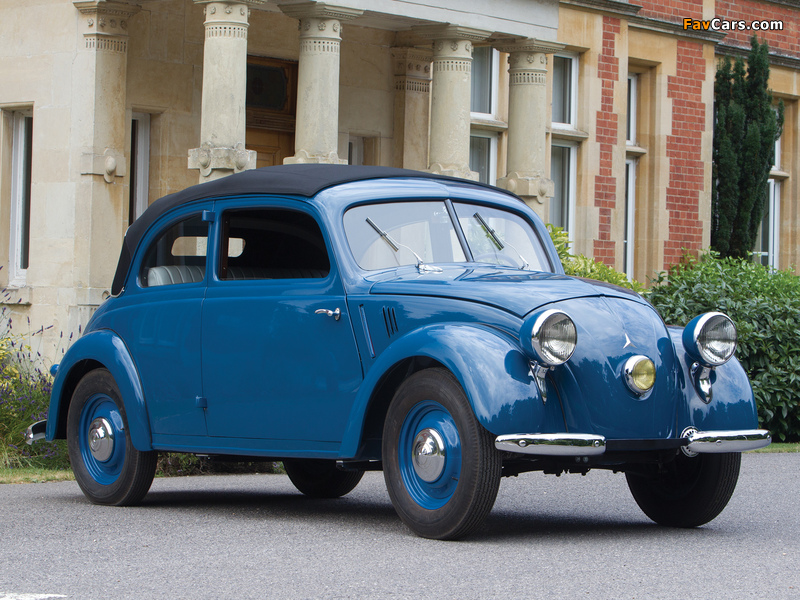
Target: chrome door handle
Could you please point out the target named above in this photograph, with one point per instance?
(331, 313)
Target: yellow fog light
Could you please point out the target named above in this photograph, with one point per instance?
(640, 374)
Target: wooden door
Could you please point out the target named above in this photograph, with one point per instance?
(272, 146)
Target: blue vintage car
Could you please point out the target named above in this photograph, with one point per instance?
(344, 319)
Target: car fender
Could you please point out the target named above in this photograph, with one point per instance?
(107, 349)
(490, 366)
(732, 405)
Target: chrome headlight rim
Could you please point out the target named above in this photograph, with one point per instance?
(535, 340)
(698, 350)
(628, 371)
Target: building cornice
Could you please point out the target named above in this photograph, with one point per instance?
(775, 60)
(630, 13)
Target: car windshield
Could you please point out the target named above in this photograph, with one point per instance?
(420, 233)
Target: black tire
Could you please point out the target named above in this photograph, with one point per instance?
(688, 492)
(321, 478)
(125, 476)
(452, 499)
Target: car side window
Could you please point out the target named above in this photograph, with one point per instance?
(271, 244)
(178, 255)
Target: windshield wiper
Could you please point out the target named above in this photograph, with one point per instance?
(492, 234)
(395, 245)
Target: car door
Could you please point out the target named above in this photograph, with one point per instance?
(279, 356)
(158, 318)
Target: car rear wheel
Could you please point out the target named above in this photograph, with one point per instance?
(321, 478)
(107, 467)
(440, 465)
(689, 491)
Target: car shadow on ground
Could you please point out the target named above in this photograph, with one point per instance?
(372, 510)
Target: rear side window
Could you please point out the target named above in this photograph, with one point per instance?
(178, 255)
(271, 244)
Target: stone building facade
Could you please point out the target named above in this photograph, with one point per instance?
(598, 113)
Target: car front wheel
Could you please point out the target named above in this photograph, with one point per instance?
(688, 492)
(440, 465)
(107, 467)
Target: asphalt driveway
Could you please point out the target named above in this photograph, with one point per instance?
(254, 536)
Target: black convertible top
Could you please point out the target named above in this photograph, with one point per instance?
(298, 180)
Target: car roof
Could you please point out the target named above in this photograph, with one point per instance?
(305, 180)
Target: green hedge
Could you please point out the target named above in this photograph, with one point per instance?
(765, 305)
(583, 266)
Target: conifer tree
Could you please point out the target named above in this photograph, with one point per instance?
(746, 125)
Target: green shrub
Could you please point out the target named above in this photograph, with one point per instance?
(583, 266)
(765, 305)
(24, 399)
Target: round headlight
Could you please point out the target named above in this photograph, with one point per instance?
(552, 336)
(640, 374)
(710, 339)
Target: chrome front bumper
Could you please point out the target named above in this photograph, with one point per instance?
(35, 432)
(584, 444)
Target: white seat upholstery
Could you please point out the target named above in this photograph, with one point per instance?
(171, 274)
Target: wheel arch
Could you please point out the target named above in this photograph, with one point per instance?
(100, 350)
(494, 389)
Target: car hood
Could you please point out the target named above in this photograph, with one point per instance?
(518, 292)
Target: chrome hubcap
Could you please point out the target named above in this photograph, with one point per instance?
(428, 455)
(101, 439)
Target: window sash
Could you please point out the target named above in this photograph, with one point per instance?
(565, 91)
(140, 166)
(563, 172)
(21, 165)
(629, 239)
(483, 156)
(633, 90)
(484, 82)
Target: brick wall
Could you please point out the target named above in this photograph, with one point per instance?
(786, 42)
(605, 185)
(686, 171)
(671, 10)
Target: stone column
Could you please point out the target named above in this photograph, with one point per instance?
(450, 97)
(317, 134)
(412, 85)
(527, 120)
(222, 121)
(99, 83)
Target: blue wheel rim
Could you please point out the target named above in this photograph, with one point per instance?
(104, 472)
(430, 415)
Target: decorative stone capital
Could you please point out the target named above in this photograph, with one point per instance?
(529, 45)
(412, 70)
(528, 185)
(105, 24)
(319, 10)
(451, 32)
(207, 158)
(412, 62)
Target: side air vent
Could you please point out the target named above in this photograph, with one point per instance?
(390, 319)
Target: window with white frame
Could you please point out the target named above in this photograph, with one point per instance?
(140, 166)
(767, 245)
(484, 81)
(565, 91)
(563, 172)
(766, 250)
(21, 159)
(483, 107)
(629, 240)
